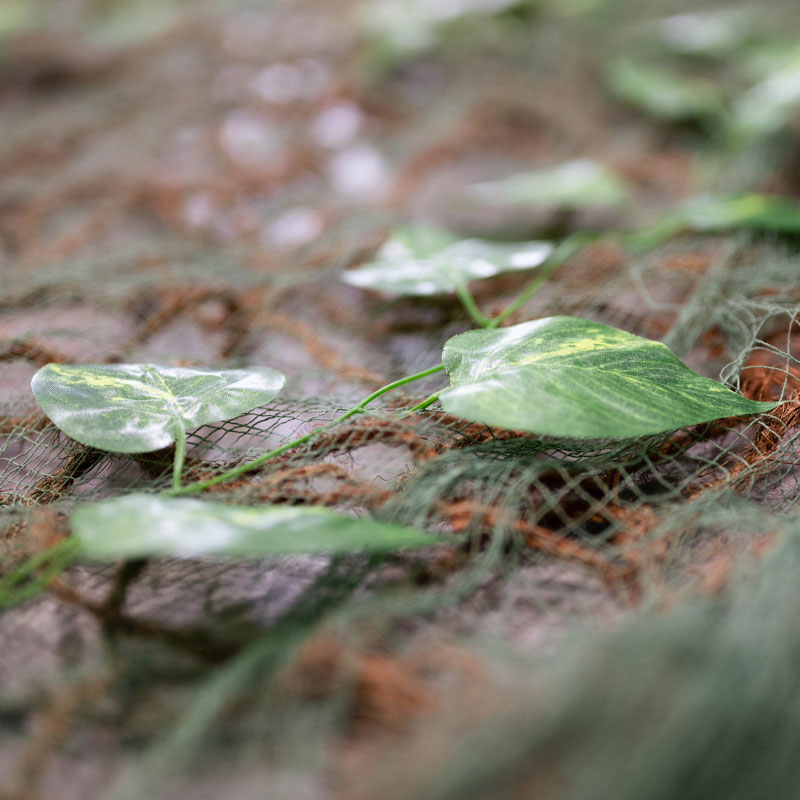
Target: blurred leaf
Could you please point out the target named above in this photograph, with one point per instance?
(770, 104)
(576, 8)
(136, 408)
(572, 378)
(573, 185)
(754, 212)
(17, 15)
(765, 58)
(413, 24)
(146, 525)
(708, 34)
(118, 24)
(663, 94)
(424, 261)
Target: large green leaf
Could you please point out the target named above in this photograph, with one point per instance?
(572, 378)
(135, 408)
(573, 185)
(146, 525)
(663, 94)
(423, 261)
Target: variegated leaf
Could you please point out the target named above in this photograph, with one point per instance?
(140, 525)
(572, 378)
(136, 408)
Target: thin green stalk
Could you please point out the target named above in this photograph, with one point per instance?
(388, 388)
(180, 458)
(470, 306)
(424, 404)
(235, 472)
(571, 245)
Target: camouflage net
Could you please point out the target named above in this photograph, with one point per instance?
(163, 202)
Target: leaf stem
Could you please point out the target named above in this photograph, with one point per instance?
(180, 458)
(234, 472)
(470, 306)
(388, 388)
(565, 250)
(423, 405)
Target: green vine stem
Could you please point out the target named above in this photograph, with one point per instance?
(565, 250)
(180, 458)
(423, 405)
(470, 306)
(234, 472)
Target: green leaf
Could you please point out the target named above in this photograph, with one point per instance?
(16, 15)
(706, 34)
(135, 408)
(573, 185)
(147, 525)
(424, 261)
(407, 26)
(572, 378)
(663, 94)
(769, 105)
(121, 24)
(755, 212)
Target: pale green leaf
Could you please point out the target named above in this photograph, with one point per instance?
(406, 26)
(141, 525)
(17, 15)
(770, 104)
(573, 185)
(424, 261)
(755, 212)
(572, 378)
(663, 94)
(136, 408)
(121, 24)
(707, 34)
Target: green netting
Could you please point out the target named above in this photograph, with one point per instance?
(585, 631)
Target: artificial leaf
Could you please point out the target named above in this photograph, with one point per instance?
(572, 378)
(705, 34)
(406, 26)
(16, 15)
(576, 184)
(140, 525)
(754, 212)
(136, 408)
(120, 24)
(663, 94)
(423, 261)
(769, 105)
(768, 57)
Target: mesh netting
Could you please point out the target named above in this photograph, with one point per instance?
(174, 200)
